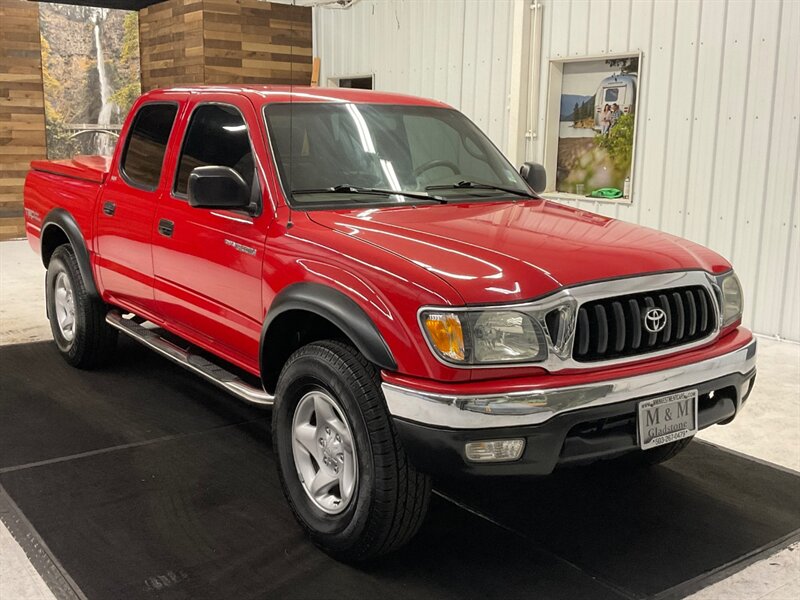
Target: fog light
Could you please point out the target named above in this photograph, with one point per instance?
(747, 387)
(494, 450)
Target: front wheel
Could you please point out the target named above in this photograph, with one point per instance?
(347, 479)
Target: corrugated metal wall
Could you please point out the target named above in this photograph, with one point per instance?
(718, 146)
(455, 51)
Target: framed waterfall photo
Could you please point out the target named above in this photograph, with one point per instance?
(591, 127)
(91, 73)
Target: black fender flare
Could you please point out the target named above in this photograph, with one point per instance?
(63, 220)
(339, 309)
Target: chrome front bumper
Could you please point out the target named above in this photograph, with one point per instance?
(534, 407)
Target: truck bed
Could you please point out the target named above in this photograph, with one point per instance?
(88, 168)
(72, 185)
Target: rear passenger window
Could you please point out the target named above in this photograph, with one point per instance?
(147, 143)
(217, 135)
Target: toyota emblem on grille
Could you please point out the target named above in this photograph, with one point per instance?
(655, 320)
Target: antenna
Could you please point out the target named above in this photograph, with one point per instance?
(289, 222)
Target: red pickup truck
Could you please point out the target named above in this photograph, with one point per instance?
(373, 268)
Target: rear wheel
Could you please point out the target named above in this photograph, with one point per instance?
(347, 479)
(77, 319)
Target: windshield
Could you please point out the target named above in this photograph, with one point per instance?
(323, 150)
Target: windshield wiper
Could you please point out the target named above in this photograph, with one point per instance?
(473, 185)
(352, 189)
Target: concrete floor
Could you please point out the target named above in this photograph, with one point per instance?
(768, 429)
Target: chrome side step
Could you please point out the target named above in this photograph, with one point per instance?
(194, 362)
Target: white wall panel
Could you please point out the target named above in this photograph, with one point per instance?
(705, 132)
(681, 97)
(717, 152)
(779, 224)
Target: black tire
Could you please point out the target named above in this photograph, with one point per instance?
(659, 454)
(93, 341)
(391, 498)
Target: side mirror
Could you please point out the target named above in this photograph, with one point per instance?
(535, 175)
(218, 187)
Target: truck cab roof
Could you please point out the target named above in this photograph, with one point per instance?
(267, 94)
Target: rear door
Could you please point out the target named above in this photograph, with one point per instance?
(124, 217)
(207, 262)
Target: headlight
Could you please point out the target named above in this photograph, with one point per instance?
(505, 336)
(731, 298)
(485, 337)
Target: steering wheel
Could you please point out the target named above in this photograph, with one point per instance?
(432, 164)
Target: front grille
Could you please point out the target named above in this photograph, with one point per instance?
(615, 327)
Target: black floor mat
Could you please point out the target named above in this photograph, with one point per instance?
(146, 482)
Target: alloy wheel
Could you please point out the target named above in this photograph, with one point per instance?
(324, 452)
(64, 303)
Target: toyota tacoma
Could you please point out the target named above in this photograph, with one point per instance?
(372, 267)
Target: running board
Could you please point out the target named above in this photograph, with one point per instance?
(194, 362)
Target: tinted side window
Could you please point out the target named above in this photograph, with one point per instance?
(147, 143)
(217, 135)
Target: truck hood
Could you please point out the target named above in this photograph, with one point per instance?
(511, 251)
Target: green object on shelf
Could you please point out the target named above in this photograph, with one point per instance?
(606, 193)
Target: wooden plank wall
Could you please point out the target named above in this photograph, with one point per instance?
(22, 133)
(171, 43)
(248, 41)
(224, 41)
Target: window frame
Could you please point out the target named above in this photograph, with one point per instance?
(121, 166)
(185, 197)
(335, 81)
(615, 90)
(550, 135)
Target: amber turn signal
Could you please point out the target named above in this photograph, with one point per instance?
(445, 333)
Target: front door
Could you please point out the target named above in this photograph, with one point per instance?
(207, 262)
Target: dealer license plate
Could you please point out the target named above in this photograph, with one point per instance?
(667, 419)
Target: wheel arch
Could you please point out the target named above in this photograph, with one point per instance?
(60, 228)
(305, 312)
